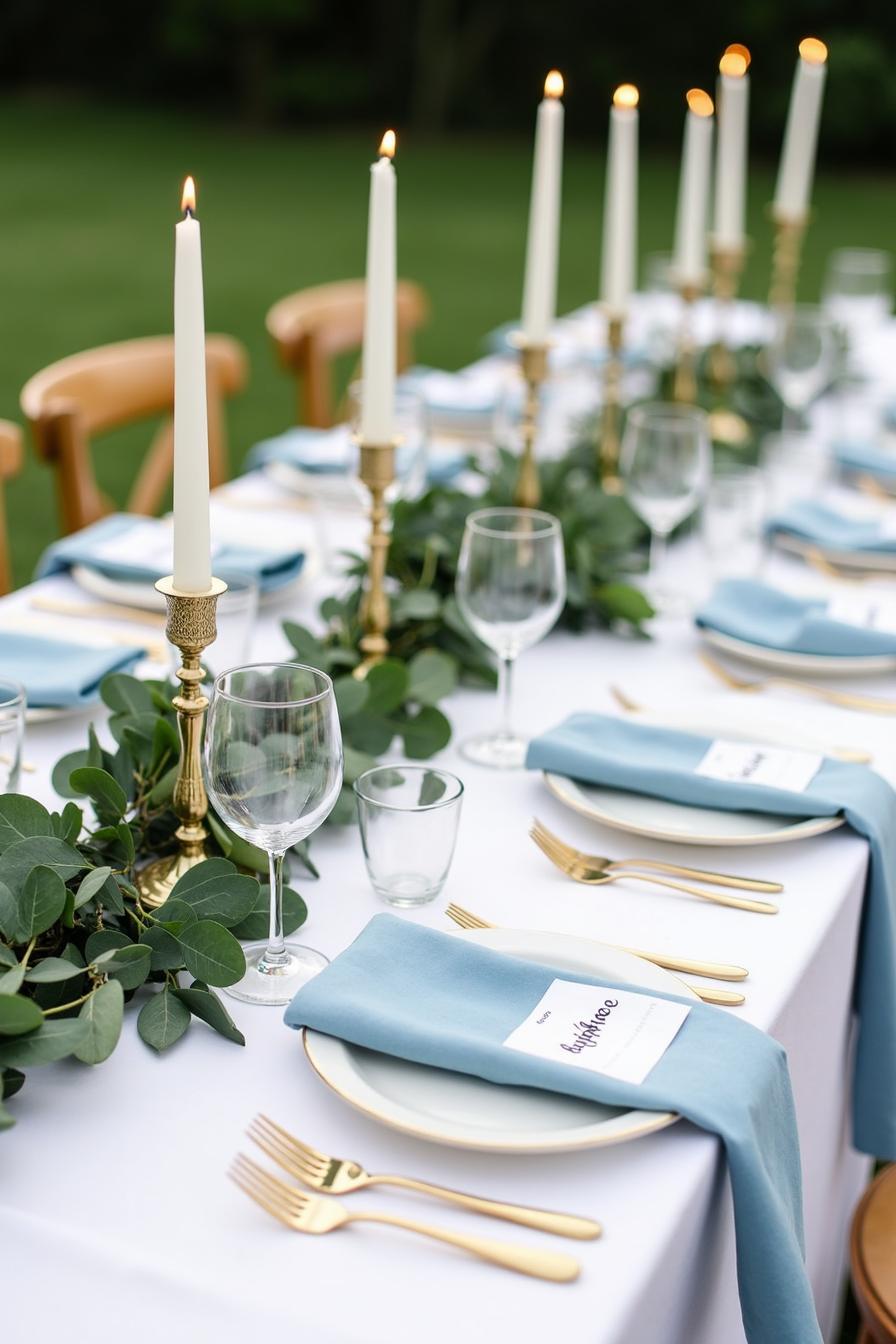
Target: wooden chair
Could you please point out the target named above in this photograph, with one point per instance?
(10, 464)
(113, 385)
(311, 328)
(873, 1259)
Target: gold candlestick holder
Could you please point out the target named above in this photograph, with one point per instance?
(608, 442)
(534, 366)
(790, 230)
(725, 425)
(191, 628)
(377, 471)
(684, 382)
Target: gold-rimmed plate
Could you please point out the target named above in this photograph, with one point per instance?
(657, 819)
(804, 664)
(466, 1112)
(861, 561)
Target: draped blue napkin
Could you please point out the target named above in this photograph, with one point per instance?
(661, 762)
(867, 459)
(759, 614)
(272, 568)
(332, 452)
(57, 674)
(408, 991)
(823, 526)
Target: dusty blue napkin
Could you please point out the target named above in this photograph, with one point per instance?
(823, 526)
(408, 991)
(661, 762)
(867, 459)
(270, 567)
(57, 674)
(332, 452)
(759, 614)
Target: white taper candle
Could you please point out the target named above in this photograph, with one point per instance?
(542, 243)
(689, 259)
(379, 356)
(192, 545)
(620, 239)
(732, 103)
(801, 133)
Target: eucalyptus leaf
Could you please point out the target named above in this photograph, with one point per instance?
(203, 1004)
(307, 648)
(6, 1118)
(163, 1020)
(72, 822)
(18, 1015)
(102, 1014)
(433, 675)
(257, 925)
(238, 850)
(106, 794)
(387, 685)
(165, 951)
(129, 965)
(351, 696)
(175, 914)
(51, 970)
(11, 980)
(11, 1082)
(425, 733)
(40, 903)
(212, 953)
(125, 695)
(45, 851)
(62, 772)
(103, 941)
(344, 811)
(21, 817)
(215, 890)
(7, 956)
(54, 1039)
(90, 885)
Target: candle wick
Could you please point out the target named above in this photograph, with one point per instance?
(188, 213)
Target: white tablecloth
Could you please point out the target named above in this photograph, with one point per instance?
(115, 1215)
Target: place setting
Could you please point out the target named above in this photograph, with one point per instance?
(464, 806)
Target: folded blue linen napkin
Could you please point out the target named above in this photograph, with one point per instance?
(662, 762)
(823, 526)
(272, 568)
(57, 674)
(408, 991)
(868, 459)
(332, 452)
(455, 396)
(759, 614)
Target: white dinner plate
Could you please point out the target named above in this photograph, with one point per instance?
(327, 487)
(660, 820)
(50, 713)
(863, 561)
(131, 593)
(808, 664)
(466, 1112)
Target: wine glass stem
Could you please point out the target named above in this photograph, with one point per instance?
(657, 557)
(505, 677)
(276, 949)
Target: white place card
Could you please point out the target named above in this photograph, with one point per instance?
(756, 763)
(867, 609)
(609, 1031)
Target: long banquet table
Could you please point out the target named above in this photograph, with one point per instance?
(114, 1207)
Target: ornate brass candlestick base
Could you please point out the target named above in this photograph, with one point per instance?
(534, 365)
(191, 628)
(684, 383)
(608, 443)
(789, 234)
(377, 471)
(725, 424)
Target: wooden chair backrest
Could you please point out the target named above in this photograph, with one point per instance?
(74, 399)
(311, 328)
(872, 1253)
(10, 465)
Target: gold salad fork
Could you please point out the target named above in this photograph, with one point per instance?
(872, 704)
(599, 875)
(655, 865)
(729, 997)
(338, 1176)
(303, 1212)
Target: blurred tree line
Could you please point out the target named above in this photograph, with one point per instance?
(442, 65)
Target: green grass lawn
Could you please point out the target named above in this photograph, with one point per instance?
(90, 197)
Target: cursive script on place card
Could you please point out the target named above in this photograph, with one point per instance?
(756, 763)
(610, 1031)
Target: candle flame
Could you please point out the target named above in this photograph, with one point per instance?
(553, 84)
(700, 103)
(738, 49)
(732, 63)
(387, 145)
(813, 51)
(625, 96)
(188, 200)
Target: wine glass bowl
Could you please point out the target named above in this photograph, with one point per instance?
(511, 587)
(800, 358)
(273, 763)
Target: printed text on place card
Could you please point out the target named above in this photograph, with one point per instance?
(756, 763)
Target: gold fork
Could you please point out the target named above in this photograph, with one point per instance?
(311, 1213)
(729, 997)
(847, 699)
(713, 970)
(601, 861)
(338, 1176)
(600, 877)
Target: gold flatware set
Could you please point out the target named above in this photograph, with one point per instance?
(871, 704)
(305, 1210)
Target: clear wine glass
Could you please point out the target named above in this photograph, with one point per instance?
(273, 764)
(664, 462)
(511, 587)
(858, 296)
(801, 359)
